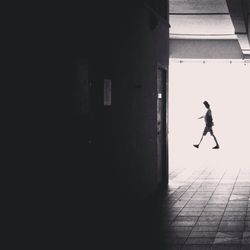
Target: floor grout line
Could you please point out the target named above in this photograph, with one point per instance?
(189, 191)
(205, 205)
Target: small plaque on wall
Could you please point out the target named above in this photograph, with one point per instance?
(107, 92)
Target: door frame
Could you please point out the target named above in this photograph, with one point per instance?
(165, 119)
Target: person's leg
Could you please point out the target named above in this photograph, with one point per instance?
(200, 140)
(206, 129)
(197, 145)
(217, 144)
(212, 134)
(204, 133)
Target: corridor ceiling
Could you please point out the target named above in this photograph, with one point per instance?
(209, 29)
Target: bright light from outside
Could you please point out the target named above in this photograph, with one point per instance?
(227, 89)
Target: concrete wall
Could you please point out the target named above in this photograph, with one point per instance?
(207, 49)
(85, 163)
(127, 129)
(136, 104)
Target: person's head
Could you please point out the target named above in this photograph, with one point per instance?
(206, 104)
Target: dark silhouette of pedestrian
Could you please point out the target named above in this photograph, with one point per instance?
(209, 124)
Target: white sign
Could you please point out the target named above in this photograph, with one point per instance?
(107, 92)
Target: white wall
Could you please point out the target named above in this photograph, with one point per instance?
(227, 88)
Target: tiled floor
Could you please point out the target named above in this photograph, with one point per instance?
(206, 208)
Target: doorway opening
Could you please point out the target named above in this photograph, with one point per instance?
(225, 85)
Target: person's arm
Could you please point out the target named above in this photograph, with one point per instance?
(201, 117)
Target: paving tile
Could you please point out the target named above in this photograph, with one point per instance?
(238, 197)
(180, 228)
(209, 210)
(226, 247)
(212, 213)
(204, 194)
(190, 213)
(231, 226)
(208, 223)
(244, 193)
(196, 234)
(196, 247)
(184, 223)
(229, 234)
(224, 189)
(195, 204)
(233, 213)
(185, 198)
(179, 204)
(214, 209)
(235, 208)
(247, 229)
(232, 229)
(181, 234)
(205, 228)
(247, 223)
(171, 217)
(185, 209)
(238, 202)
(233, 217)
(216, 205)
(227, 240)
(221, 196)
(218, 200)
(246, 238)
(186, 218)
(199, 240)
(210, 218)
(232, 223)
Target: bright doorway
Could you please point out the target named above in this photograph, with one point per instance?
(226, 86)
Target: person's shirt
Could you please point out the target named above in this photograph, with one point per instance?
(209, 118)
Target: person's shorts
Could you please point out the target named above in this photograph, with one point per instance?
(208, 129)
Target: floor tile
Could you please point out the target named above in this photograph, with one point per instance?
(196, 234)
(210, 209)
(196, 247)
(246, 238)
(199, 240)
(205, 228)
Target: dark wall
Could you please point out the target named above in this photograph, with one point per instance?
(96, 158)
(124, 134)
(127, 48)
(134, 75)
(123, 43)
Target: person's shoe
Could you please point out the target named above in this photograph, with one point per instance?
(197, 146)
(216, 147)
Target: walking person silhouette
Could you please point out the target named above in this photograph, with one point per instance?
(209, 124)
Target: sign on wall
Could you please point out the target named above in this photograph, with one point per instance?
(107, 92)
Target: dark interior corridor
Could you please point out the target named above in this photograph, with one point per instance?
(98, 140)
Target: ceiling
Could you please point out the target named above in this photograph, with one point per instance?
(221, 22)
